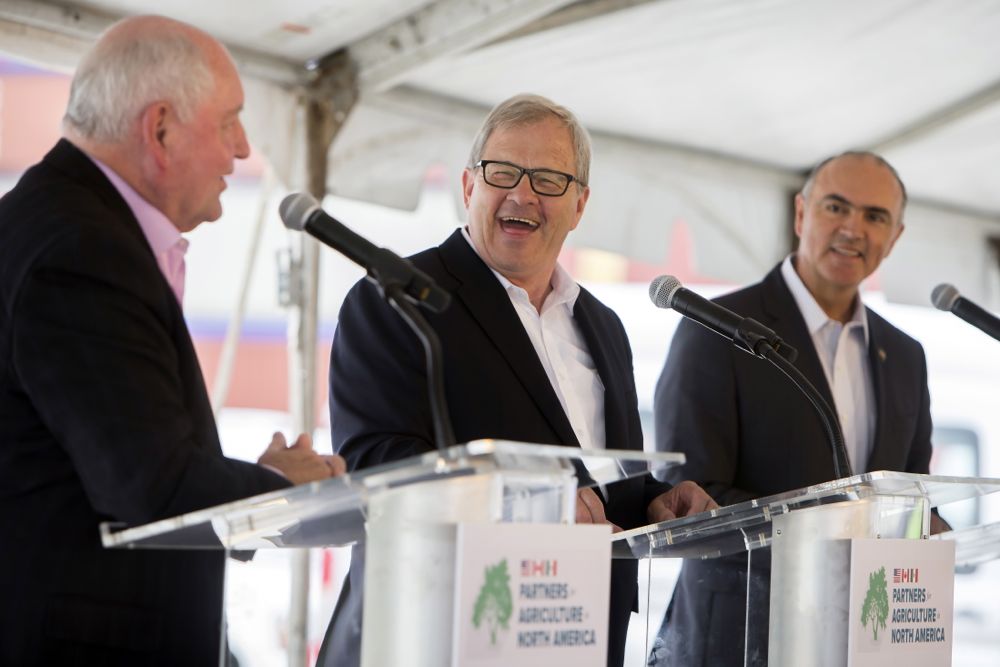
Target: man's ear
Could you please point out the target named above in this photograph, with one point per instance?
(581, 203)
(154, 127)
(800, 212)
(468, 181)
(896, 233)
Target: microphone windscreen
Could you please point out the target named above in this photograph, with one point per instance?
(944, 296)
(662, 291)
(296, 208)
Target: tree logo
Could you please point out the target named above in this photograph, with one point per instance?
(494, 605)
(875, 608)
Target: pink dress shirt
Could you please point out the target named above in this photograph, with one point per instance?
(163, 237)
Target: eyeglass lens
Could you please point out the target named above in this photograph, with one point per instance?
(543, 181)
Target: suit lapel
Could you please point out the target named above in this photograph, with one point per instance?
(877, 357)
(601, 345)
(488, 303)
(76, 166)
(788, 322)
(784, 317)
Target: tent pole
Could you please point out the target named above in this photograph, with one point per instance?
(327, 101)
(227, 358)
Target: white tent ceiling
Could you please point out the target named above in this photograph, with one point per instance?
(707, 111)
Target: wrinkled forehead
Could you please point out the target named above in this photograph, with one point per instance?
(863, 181)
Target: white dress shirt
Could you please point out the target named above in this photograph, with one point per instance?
(843, 350)
(564, 355)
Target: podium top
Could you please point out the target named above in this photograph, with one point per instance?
(747, 526)
(974, 545)
(332, 511)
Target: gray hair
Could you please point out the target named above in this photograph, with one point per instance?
(525, 109)
(119, 77)
(811, 179)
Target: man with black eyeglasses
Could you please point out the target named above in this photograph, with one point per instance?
(528, 354)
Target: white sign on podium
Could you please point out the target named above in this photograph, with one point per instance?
(901, 604)
(531, 595)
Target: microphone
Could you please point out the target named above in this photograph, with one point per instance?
(746, 333)
(301, 212)
(946, 297)
(753, 337)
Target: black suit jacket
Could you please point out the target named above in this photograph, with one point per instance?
(495, 387)
(747, 432)
(103, 417)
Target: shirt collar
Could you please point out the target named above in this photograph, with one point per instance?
(814, 315)
(160, 233)
(565, 290)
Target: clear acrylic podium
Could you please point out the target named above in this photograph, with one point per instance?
(795, 550)
(407, 513)
(974, 545)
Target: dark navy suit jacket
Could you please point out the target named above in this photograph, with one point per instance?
(495, 387)
(104, 416)
(747, 432)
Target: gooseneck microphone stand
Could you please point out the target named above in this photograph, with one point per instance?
(831, 423)
(444, 436)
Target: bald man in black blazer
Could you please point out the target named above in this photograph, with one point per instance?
(748, 432)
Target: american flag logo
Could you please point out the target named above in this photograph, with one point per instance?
(905, 575)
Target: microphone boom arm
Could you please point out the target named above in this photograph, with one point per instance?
(751, 336)
(831, 423)
(444, 436)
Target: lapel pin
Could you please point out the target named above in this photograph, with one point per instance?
(881, 354)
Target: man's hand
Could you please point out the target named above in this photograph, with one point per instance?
(590, 509)
(684, 499)
(938, 525)
(300, 463)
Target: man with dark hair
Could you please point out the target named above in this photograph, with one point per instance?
(748, 432)
(529, 355)
(104, 414)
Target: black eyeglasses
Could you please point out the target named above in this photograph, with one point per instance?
(507, 175)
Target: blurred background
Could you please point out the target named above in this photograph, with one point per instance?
(706, 115)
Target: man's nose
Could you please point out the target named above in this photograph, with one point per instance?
(241, 147)
(853, 222)
(522, 192)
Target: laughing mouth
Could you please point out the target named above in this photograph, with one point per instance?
(519, 223)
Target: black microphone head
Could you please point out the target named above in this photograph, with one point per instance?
(662, 291)
(296, 208)
(944, 296)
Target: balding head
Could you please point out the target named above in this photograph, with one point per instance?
(136, 62)
(857, 156)
(848, 217)
(158, 102)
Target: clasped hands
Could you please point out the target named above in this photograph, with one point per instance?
(683, 500)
